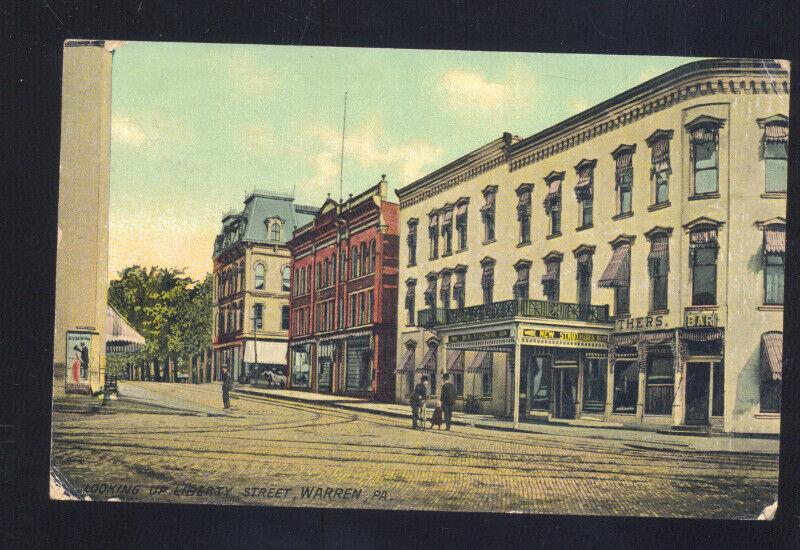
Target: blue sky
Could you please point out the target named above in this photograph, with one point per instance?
(195, 127)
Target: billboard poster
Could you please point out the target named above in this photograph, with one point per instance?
(79, 353)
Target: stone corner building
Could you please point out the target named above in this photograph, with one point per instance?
(343, 297)
(629, 260)
(251, 285)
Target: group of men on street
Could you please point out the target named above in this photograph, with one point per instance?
(419, 399)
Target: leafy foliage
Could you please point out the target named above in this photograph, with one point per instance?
(170, 310)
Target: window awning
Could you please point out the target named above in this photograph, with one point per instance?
(618, 271)
(489, 201)
(658, 259)
(774, 239)
(455, 360)
(461, 209)
(267, 352)
(429, 361)
(660, 151)
(703, 238)
(583, 189)
(487, 278)
(447, 217)
(776, 132)
(624, 161)
(477, 362)
(771, 355)
(407, 362)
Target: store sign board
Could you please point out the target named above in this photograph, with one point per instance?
(699, 318)
(480, 336)
(646, 322)
(564, 338)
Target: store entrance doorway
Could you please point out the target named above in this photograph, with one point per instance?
(698, 385)
(565, 390)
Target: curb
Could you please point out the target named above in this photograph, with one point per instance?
(485, 426)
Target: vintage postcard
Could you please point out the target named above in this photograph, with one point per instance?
(420, 280)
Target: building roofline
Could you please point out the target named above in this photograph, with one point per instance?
(712, 68)
(449, 169)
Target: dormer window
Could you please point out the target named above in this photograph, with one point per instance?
(274, 229)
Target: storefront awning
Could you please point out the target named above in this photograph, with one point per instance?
(265, 352)
(429, 361)
(455, 360)
(477, 362)
(774, 240)
(407, 362)
(618, 271)
(771, 355)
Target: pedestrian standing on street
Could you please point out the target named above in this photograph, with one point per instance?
(418, 398)
(227, 384)
(448, 400)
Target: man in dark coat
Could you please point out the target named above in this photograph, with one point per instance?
(227, 384)
(418, 398)
(448, 399)
(84, 361)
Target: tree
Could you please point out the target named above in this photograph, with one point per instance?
(171, 311)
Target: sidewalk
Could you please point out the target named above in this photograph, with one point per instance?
(636, 439)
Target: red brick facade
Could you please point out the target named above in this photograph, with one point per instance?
(343, 320)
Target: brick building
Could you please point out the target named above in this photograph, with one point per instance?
(343, 321)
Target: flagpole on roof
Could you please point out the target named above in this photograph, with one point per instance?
(341, 162)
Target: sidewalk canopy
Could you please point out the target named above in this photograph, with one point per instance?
(267, 352)
(455, 360)
(407, 362)
(478, 361)
(429, 361)
(771, 355)
(119, 333)
(618, 271)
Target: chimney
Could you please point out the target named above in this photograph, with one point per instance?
(383, 187)
(507, 138)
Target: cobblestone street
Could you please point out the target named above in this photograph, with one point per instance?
(266, 451)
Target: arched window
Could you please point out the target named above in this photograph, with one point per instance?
(275, 231)
(343, 265)
(286, 280)
(259, 271)
(334, 273)
(354, 269)
(241, 275)
(372, 251)
(241, 315)
(364, 258)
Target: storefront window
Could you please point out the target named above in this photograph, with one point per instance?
(539, 383)
(301, 366)
(626, 386)
(594, 385)
(486, 376)
(359, 364)
(458, 382)
(660, 384)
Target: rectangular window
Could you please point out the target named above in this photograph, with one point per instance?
(658, 268)
(361, 308)
(660, 384)
(587, 211)
(447, 232)
(770, 394)
(284, 317)
(459, 288)
(622, 300)
(776, 161)
(704, 277)
(584, 283)
(487, 213)
(539, 383)
(461, 226)
(524, 214)
(370, 303)
(626, 386)
(486, 376)
(411, 302)
(458, 382)
(705, 164)
(625, 192)
(353, 310)
(594, 385)
(555, 222)
(661, 183)
(773, 279)
(433, 235)
(258, 316)
(520, 290)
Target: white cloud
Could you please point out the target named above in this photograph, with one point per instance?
(471, 92)
(258, 138)
(125, 130)
(244, 73)
(370, 149)
(577, 104)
